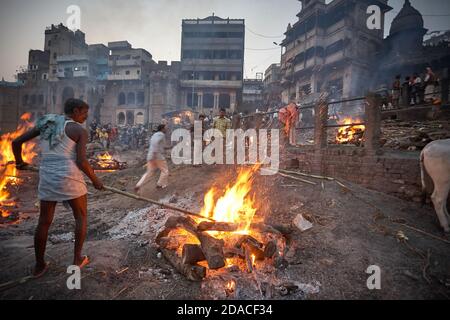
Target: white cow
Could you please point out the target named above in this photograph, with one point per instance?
(435, 164)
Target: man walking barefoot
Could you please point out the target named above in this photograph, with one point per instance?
(63, 148)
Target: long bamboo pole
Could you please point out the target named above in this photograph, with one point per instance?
(166, 206)
(133, 196)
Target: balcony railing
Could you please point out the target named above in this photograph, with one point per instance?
(212, 84)
(113, 77)
(125, 63)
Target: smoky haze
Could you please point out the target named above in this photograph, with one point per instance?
(155, 25)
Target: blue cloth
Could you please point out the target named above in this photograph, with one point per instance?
(51, 127)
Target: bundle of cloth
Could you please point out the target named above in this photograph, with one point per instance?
(289, 117)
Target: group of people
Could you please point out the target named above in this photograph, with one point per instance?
(415, 89)
(105, 134)
(134, 136)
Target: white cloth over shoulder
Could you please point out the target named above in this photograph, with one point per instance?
(157, 143)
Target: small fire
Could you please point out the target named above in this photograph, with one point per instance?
(235, 205)
(253, 260)
(8, 171)
(230, 286)
(105, 158)
(105, 162)
(5, 214)
(350, 133)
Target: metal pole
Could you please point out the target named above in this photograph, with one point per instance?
(193, 88)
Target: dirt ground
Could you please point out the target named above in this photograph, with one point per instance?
(352, 231)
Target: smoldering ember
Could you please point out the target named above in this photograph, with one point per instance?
(301, 157)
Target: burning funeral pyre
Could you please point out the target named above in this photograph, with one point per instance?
(9, 175)
(231, 238)
(105, 162)
(350, 134)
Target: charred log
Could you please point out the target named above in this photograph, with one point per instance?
(191, 272)
(192, 254)
(217, 226)
(213, 250)
(270, 249)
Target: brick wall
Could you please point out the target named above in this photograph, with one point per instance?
(394, 173)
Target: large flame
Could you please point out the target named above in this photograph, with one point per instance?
(349, 133)
(8, 171)
(235, 205)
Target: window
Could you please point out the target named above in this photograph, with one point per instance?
(208, 100)
(131, 98)
(55, 55)
(140, 98)
(41, 99)
(33, 100)
(139, 118)
(121, 119)
(306, 89)
(224, 101)
(334, 48)
(122, 99)
(192, 100)
(49, 43)
(54, 71)
(130, 117)
(25, 100)
(138, 72)
(84, 68)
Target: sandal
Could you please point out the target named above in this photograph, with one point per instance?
(85, 262)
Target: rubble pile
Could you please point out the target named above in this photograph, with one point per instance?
(412, 135)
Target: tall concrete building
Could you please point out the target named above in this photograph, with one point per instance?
(212, 63)
(330, 46)
(128, 63)
(272, 86)
(252, 95)
(59, 41)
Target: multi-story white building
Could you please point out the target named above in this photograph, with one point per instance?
(212, 62)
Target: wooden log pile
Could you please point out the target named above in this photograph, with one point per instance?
(193, 260)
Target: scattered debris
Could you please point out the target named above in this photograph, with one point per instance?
(301, 223)
(60, 238)
(401, 236)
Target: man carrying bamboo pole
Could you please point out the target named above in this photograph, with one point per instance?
(63, 148)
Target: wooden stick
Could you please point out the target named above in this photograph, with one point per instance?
(423, 232)
(133, 196)
(306, 175)
(297, 179)
(163, 205)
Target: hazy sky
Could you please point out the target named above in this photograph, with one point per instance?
(155, 25)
